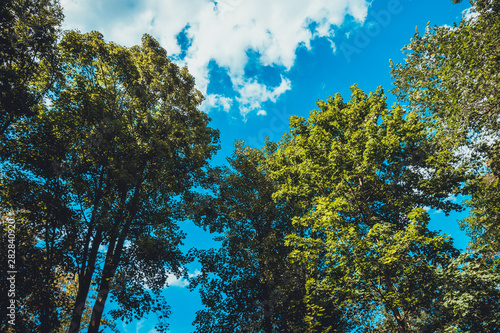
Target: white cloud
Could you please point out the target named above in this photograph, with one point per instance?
(174, 281)
(470, 15)
(217, 101)
(253, 94)
(222, 31)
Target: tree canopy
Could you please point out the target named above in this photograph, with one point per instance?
(451, 75)
(366, 174)
(250, 284)
(118, 144)
(104, 149)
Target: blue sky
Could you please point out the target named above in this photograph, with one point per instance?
(258, 62)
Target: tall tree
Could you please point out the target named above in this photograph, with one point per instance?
(366, 173)
(28, 68)
(249, 284)
(122, 140)
(451, 74)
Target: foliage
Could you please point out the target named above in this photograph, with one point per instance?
(249, 284)
(38, 291)
(451, 74)
(365, 173)
(121, 140)
(446, 76)
(28, 59)
(471, 294)
(28, 68)
(483, 222)
(103, 149)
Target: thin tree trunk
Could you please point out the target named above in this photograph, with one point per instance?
(399, 319)
(394, 309)
(102, 296)
(113, 257)
(88, 260)
(268, 307)
(84, 282)
(112, 261)
(267, 324)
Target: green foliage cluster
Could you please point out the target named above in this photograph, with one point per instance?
(451, 75)
(250, 284)
(364, 167)
(104, 149)
(28, 57)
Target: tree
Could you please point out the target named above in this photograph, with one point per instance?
(483, 223)
(365, 175)
(122, 141)
(249, 284)
(40, 251)
(28, 58)
(28, 68)
(451, 75)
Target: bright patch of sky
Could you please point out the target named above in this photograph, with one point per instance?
(175, 281)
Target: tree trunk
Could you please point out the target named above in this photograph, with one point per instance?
(267, 324)
(98, 309)
(107, 274)
(88, 264)
(394, 309)
(84, 286)
(399, 320)
(113, 257)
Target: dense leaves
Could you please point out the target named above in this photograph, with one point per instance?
(340, 205)
(451, 74)
(28, 62)
(103, 149)
(366, 173)
(120, 140)
(471, 294)
(249, 284)
(445, 75)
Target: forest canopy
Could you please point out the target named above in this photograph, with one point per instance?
(104, 151)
